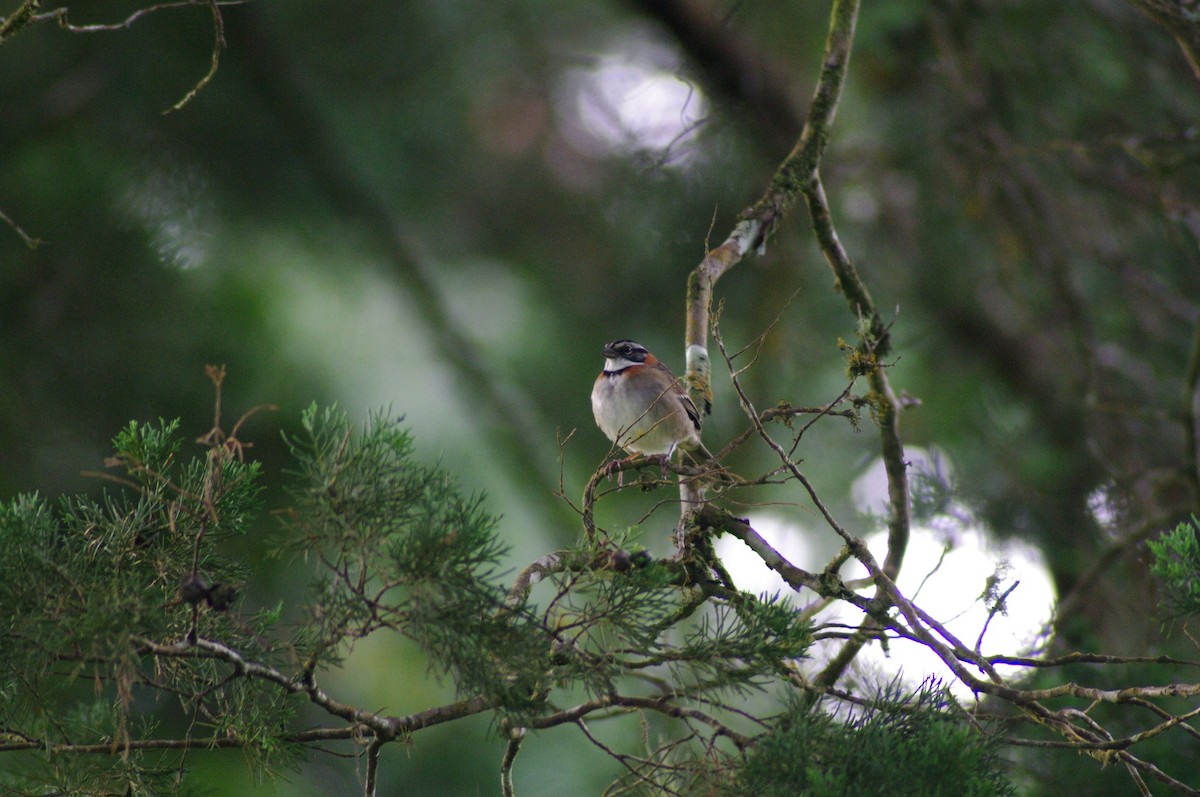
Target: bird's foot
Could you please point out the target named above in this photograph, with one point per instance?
(617, 466)
(662, 463)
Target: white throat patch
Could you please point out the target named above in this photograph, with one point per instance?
(614, 364)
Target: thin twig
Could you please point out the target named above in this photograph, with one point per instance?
(214, 59)
(32, 243)
(60, 15)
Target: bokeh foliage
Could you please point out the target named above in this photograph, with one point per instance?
(1018, 180)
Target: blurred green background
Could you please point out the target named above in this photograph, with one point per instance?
(446, 208)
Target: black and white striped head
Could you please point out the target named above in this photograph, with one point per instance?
(622, 354)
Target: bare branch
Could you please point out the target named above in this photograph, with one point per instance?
(384, 727)
(17, 20)
(515, 737)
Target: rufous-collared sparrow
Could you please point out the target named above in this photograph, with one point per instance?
(642, 407)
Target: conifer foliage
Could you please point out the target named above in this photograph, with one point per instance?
(129, 647)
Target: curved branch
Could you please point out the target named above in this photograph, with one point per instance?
(884, 403)
(759, 221)
(800, 175)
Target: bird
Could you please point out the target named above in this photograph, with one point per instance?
(641, 406)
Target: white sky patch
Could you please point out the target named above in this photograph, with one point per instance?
(948, 579)
(947, 567)
(950, 562)
(630, 102)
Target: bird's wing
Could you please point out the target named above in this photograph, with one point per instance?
(689, 406)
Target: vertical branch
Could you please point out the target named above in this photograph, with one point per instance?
(746, 234)
(515, 737)
(698, 376)
(797, 172)
(757, 222)
(803, 172)
(794, 175)
(884, 404)
(691, 499)
(371, 781)
(799, 176)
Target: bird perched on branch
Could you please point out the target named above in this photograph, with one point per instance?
(642, 407)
